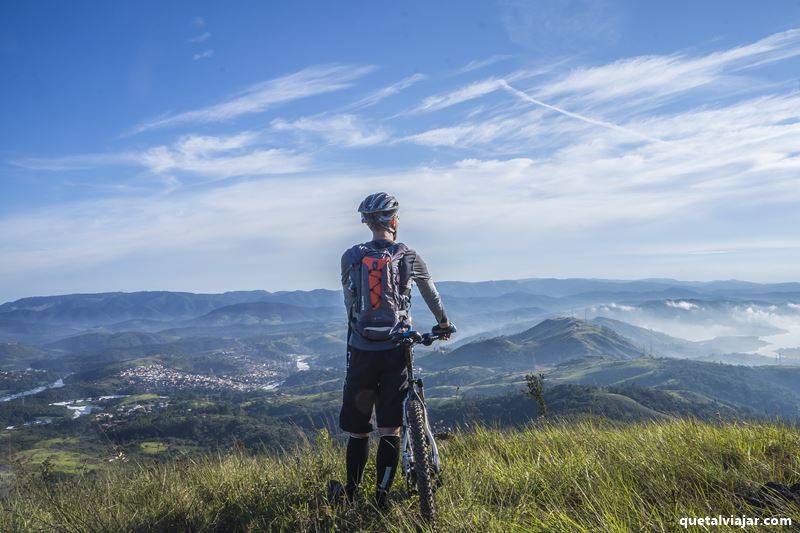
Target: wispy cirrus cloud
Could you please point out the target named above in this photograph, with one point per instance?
(389, 90)
(627, 82)
(622, 88)
(477, 89)
(343, 129)
(200, 39)
(660, 76)
(519, 125)
(482, 63)
(265, 95)
(212, 157)
(464, 94)
(205, 54)
(473, 133)
(203, 37)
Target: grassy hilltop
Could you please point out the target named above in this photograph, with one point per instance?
(579, 476)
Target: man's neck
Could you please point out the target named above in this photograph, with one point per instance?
(382, 236)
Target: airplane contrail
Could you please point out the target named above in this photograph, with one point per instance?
(504, 84)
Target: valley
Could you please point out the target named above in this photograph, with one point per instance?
(89, 380)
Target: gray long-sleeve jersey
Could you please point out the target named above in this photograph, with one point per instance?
(415, 269)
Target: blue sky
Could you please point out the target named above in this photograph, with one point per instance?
(207, 147)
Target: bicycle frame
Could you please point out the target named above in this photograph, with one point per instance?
(415, 389)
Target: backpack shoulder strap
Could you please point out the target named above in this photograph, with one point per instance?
(398, 249)
(356, 253)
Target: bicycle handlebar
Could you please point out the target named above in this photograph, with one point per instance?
(412, 337)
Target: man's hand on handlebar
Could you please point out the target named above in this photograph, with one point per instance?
(443, 330)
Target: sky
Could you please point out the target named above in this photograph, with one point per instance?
(206, 147)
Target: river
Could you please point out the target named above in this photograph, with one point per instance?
(57, 384)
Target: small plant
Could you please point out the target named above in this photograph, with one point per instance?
(535, 383)
(46, 470)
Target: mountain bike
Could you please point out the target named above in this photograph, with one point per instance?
(421, 463)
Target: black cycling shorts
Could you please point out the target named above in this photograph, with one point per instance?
(374, 379)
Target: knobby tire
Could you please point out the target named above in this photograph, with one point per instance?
(422, 462)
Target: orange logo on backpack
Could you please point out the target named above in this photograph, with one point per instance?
(376, 268)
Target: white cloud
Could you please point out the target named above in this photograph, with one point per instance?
(546, 217)
(222, 157)
(681, 304)
(202, 155)
(613, 306)
(389, 90)
(742, 152)
(109, 230)
(659, 76)
(464, 94)
(203, 145)
(92, 233)
(255, 163)
(262, 96)
(344, 130)
(465, 135)
(205, 54)
(483, 63)
(200, 38)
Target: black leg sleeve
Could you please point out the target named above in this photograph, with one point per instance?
(356, 458)
(386, 461)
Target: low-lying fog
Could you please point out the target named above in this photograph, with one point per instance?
(695, 320)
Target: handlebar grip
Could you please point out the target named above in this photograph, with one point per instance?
(439, 331)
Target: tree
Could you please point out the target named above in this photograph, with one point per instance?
(535, 384)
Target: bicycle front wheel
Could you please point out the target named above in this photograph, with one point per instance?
(422, 462)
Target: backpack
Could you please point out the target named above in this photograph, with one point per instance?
(382, 297)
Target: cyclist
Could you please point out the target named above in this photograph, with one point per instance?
(377, 277)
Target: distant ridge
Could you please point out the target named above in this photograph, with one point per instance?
(479, 308)
(265, 313)
(110, 308)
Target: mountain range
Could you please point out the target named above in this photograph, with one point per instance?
(506, 328)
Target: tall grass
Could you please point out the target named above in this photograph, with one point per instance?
(584, 476)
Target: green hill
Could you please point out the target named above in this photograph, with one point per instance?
(550, 342)
(96, 342)
(264, 313)
(566, 401)
(581, 477)
(753, 391)
(15, 355)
